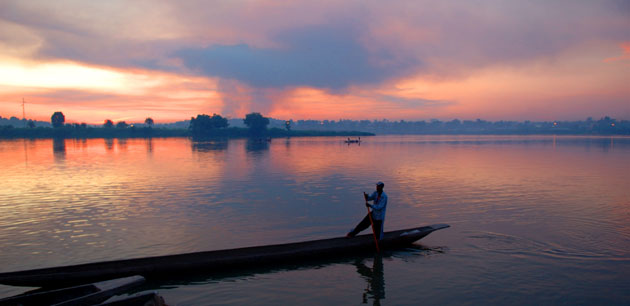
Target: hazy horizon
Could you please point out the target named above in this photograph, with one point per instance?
(157, 121)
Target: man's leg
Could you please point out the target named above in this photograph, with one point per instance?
(365, 223)
(378, 228)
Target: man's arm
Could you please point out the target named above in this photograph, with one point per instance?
(370, 197)
(381, 204)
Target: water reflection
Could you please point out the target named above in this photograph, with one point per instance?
(149, 145)
(122, 144)
(607, 145)
(208, 146)
(84, 143)
(59, 149)
(265, 280)
(575, 196)
(554, 141)
(29, 145)
(25, 153)
(109, 144)
(375, 279)
(257, 146)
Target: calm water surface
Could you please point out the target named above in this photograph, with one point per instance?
(535, 219)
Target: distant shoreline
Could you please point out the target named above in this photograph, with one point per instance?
(144, 132)
(234, 133)
(342, 127)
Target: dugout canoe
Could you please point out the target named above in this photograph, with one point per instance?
(78, 295)
(214, 261)
(147, 298)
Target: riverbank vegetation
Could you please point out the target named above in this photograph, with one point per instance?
(134, 132)
(590, 126)
(256, 125)
(202, 126)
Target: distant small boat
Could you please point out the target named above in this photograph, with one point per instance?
(352, 140)
(215, 261)
(89, 294)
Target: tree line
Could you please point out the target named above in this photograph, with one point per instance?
(257, 125)
(199, 127)
(204, 125)
(603, 126)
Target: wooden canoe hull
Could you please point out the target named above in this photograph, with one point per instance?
(88, 294)
(148, 298)
(213, 261)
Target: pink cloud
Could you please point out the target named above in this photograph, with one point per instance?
(623, 57)
(254, 55)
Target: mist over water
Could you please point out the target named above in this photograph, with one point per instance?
(534, 219)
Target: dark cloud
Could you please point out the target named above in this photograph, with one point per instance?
(58, 34)
(364, 43)
(323, 56)
(462, 37)
(324, 44)
(106, 51)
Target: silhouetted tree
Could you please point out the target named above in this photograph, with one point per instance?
(256, 122)
(218, 122)
(287, 125)
(83, 125)
(108, 124)
(121, 124)
(204, 124)
(57, 119)
(148, 122)
(605, 125)
(31, 124)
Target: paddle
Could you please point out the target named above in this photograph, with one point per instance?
(371, 222)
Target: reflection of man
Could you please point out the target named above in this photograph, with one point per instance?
(375, 278)
(378, 212)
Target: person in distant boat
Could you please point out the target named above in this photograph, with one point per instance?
(378, 207)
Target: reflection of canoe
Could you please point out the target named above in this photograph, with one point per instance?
(78, 295)
(213, 261)
(352, 141)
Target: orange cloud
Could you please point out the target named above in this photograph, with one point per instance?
(321, 60)
(93, 94)
(624, 57)
(574, 86)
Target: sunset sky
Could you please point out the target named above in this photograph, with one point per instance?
(411, 60)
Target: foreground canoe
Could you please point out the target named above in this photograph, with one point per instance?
(148, 298)
(213, 261)
(78, 295)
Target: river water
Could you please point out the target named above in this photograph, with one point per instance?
(534, 219)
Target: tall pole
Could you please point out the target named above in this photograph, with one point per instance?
(373, 229)
(23, 112)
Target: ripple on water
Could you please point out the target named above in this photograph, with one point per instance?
(525, 247)
(563, 207)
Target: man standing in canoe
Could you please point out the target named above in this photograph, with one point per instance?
(378, 212)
